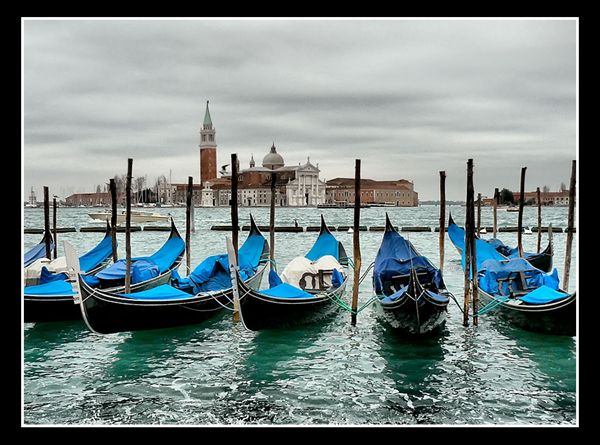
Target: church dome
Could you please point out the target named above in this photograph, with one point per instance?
(273, 159)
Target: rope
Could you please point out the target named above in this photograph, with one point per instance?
(365, 273)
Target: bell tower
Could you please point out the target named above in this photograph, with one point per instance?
(208, 149)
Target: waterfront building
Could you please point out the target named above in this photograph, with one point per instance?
(397, 193)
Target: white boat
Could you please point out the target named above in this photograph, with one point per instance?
(483, 230)
(137, 216)
(527, 231)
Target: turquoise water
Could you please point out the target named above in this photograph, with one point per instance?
(330, 373)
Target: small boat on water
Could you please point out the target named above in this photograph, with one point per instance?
(527, 231)
(412, 295)
(98, 291)
(527, 296)
(137, 216)
(542, 260)
(206, 292)
(52, 297)
(305, 292)
(341, 205)
(38, 251)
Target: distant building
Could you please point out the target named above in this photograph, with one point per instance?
(208, 149)
(399, 193)
(90, 199)
(297, 185)
(547, 198)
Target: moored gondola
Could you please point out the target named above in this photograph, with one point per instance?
(175, 301)
(541, 260)
(412, 296)
(38, 251)
(305, 292)
(526, 296)
(521, 293)
(52, 298)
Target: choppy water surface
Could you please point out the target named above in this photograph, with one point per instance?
(330, 373)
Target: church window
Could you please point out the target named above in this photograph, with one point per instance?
(203, 138)
(210, 137)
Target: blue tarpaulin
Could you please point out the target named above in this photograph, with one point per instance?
(162, 292)
(397, 256)
(46, 276)
(213, 273)
(484, 251)
(285, 290)
(274, 279)
(96, 256)
(36, 252)
(491, 271)
(326, 244)
(61, 288)
(163, 259)
(543, 295)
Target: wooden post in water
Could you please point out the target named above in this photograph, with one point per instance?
(496, 199)
(539, 231)
(356, 239)
(48, 236)
(474, 279)
(478, 213)
(570, 227)
(188, 223)
(54, 226)
(234, 202)
(468, 240)
(521, 203)
(272, 221)
(128, 226)
(113, 218)
(442, 217)
(234, 224)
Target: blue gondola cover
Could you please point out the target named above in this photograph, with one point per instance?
(285, 290)
(396, 256)
(326, 244)
(491, 271)
(96, 256)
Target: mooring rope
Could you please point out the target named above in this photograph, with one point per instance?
(364, 275)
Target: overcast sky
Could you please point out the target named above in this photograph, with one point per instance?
(409, 98)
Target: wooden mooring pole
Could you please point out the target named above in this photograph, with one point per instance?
(113, 219)
(496, 199)
(54, 226)
(234, 223)
(521, 203)
(442, 217)
(539, 231)
(48, 236)
(128, 226)
(356, 239)
(188, 224)
(478, 213)
(570, 227)
(474, 280)
(469, 229)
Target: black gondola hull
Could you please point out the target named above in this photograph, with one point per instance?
(558, 318)
(408, 317)
(260, 312)
(542, 261)
(47, 309)
(108, 314)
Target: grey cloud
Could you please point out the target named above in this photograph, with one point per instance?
(408, 97)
